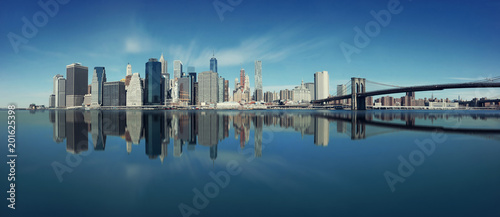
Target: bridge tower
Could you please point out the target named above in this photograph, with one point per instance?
(358, 86)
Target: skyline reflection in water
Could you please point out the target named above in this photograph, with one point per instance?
(293, 162)
(187, 129)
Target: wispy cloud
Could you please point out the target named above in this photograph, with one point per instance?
(269, 47)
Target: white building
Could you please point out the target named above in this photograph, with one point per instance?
(301, 93)
(321, 84)
(208, 87)
(443, 105)
(258, 80)
(177, 69)
(129, 69)
(135, 91)
(174, 90)
(247, 83)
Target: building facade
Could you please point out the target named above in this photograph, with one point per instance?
(153, 83)
(76, 84)
(114, 94)
(208, 84)
(177, 69)
(221, 84)
(258, 80)
(213, 64)
(135, 92)
(98, 79)
(321, 85)
(301, 94)
(61, 93)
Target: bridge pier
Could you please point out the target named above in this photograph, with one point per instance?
(358, 86)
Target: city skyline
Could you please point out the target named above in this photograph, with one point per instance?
(418, 46)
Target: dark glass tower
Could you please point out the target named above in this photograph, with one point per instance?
(153, 82)
(98, 80)
(213, 64)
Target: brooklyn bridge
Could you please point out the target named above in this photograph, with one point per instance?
(358, 90)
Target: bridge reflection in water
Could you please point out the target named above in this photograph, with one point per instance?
(187, 129)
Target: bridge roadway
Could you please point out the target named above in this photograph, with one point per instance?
(412, 89)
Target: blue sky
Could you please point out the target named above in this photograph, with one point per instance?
(426, 42)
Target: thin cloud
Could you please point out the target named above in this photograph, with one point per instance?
(270, 48)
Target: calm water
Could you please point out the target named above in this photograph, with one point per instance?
(255, 163)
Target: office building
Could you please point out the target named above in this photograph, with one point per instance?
(60, 101)
(221, 90)
(185, 90)
(55, 79)
(52, 101)
(164, 66)
(213, 64)
(192, 75)
(98, 79)
(165, 78)
(321, 85)
(247, 83)
(310, 87)
(153, 94)
(226, 90)
(258, 81)
(135, 92)
(301, 94)
(113, 94)
(177, 69)
(76, 84)
(242, 78)
(208, 84)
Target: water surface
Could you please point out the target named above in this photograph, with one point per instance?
(279, 163)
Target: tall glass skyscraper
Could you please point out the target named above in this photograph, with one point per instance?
(258, 80)
(177, 69)
(153, 82)
(98, 79)
(76, 84)
(213, 64)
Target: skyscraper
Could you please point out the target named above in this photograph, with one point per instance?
(98, 79)
(226, 90)
(129, 69)
(191, 69)
(247, 83)
(164, 66)
(242, 78)
(208, 84)
(153, 83)
(113, 94)
(166, 77)
(220, 98)
(310, 87)
(60, 101)
(321, 85)
(258, 80)
(213, 64)
(56, 77)
(185, 89)
(177, 69)
(192, 75)
(76, 84)
(135, 91)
